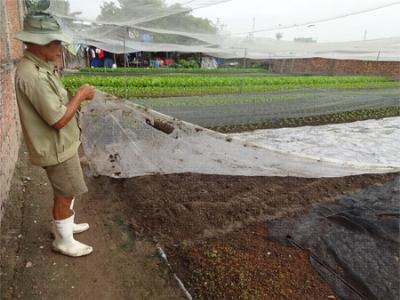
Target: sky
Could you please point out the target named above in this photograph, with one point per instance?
(240, 16)
(266, 14)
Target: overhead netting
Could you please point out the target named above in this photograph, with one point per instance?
(123, 26)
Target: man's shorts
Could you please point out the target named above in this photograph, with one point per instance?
(66, 178)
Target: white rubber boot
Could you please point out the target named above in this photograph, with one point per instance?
(80, 227)
(77, 228)
(64, 239)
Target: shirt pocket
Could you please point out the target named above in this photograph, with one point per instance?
(58, 88)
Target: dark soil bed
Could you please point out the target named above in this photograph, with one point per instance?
(245, 265)
(213, 229)
(325, 119)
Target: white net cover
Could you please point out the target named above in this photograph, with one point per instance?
(125, 140)
(351, 29)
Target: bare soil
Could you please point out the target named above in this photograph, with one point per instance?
(245, 265)
(213, 229)
(121, 266)
(191, 207)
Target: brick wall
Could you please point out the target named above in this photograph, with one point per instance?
(11, 12)
(336, 67)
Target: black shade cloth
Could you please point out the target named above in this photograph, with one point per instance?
(353, 243)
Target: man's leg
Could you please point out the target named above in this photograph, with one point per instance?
(61, 207)
(67, 179)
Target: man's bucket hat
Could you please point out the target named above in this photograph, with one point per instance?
(41, 29)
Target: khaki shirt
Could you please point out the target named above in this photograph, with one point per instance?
(41, 98)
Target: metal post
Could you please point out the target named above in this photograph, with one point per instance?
(245, 58)
(125, 62)
(126, 35)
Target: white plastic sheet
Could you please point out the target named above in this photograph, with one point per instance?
(362, 143)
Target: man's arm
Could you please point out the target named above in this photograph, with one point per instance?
(85, 92)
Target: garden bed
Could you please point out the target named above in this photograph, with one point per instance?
(174, 85)
(214, 229)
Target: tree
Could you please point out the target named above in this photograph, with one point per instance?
(61, 7)
(109, 11)
(128, 10)
(36, 6)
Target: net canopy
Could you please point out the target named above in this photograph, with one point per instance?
(287, 30)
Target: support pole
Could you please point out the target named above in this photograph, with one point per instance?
(126, 35)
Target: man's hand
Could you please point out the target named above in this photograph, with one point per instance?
(86, 92)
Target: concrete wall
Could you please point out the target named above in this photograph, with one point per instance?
(335, 67)
(11, 12)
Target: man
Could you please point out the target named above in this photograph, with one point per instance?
(49, 124)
